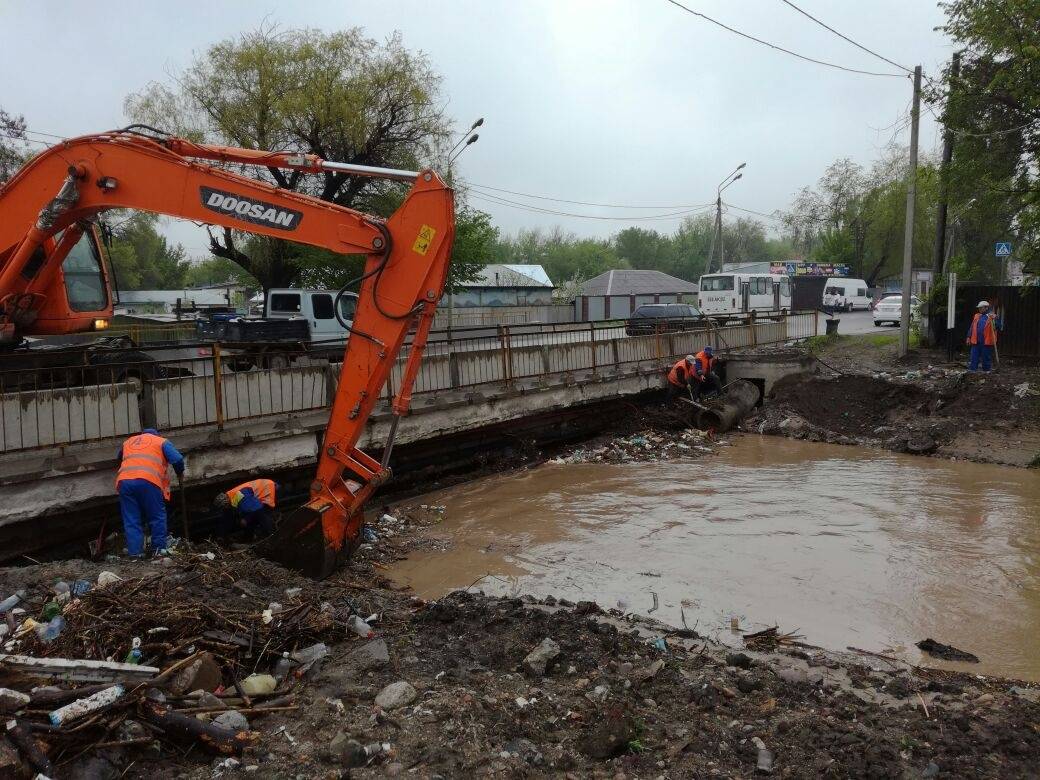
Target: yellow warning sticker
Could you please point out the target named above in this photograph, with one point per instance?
(423, 240)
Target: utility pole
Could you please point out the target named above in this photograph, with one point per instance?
(908, 235)
(733, 176)
(718, 230)
(939, 249)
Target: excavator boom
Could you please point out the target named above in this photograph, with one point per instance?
(49, 206)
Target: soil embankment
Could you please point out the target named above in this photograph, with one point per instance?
(921, 405)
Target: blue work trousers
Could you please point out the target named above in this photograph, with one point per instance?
(140, 501)
(983, 353)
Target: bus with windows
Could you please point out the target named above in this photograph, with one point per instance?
(737, 293)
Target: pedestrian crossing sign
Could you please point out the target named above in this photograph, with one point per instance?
(1003, 249)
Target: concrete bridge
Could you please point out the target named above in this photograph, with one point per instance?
(59, 446)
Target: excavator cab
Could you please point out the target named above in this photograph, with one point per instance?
(78, 296)
(59, 296)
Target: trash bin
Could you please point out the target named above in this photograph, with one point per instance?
(832, 327)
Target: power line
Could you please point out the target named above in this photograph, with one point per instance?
(781, 48)
(495, 199)
(845, 37)
(752, 211)
(581, 202)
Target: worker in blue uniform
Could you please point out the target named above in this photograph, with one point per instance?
(143, 484)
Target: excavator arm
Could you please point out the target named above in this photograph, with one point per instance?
(47, 206)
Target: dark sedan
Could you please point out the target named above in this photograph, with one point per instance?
(663, 318)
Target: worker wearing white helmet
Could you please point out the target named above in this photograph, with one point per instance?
(982, 338)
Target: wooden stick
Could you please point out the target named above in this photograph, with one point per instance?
(211, 738)
(30, 748)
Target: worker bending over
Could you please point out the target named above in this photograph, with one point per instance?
(982, 338)
(680, 376)
(143, 484)
(248, 506)
(694, 374)
(706, 381)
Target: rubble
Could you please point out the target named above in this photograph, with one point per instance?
(395, 695)
(538, 660)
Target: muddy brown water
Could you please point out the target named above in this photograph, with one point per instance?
(849, 546)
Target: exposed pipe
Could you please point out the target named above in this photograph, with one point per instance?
(740, 398)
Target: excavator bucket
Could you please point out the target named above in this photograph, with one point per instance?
(299, 542)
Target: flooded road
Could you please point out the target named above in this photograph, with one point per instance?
(848, 546)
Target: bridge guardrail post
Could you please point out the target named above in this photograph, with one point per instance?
(218, 386)
(592, 343)
(507, 357)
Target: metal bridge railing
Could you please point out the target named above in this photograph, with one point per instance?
(176, 387)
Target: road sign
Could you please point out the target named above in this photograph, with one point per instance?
(1003, 249)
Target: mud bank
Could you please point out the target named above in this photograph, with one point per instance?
(939, 410)
(604, 695)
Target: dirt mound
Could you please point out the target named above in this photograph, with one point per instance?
(852, 404)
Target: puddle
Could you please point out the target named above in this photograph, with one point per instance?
(848, 546)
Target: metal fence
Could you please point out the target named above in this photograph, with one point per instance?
(214, 385)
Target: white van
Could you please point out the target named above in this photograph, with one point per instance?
(841, 294)
(741, 293)
(314, 306)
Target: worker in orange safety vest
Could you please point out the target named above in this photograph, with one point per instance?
(248, 506)
(143, 484)
(680, 376)
(982, 338)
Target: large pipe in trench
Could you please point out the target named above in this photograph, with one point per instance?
(740, 398)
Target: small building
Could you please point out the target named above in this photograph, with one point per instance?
(616, 294)
(504, 285)
(186, 301)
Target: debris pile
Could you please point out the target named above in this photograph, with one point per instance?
(642, 447)
(184, 654)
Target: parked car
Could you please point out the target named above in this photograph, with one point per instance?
(889, 309)
(663, 318)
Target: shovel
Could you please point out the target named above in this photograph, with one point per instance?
(184, 506)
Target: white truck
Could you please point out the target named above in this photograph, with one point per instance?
(295, 323)
(316, 308)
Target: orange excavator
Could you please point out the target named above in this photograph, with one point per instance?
(53, 280)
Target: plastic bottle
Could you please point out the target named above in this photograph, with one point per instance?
(135, 654)
(283, 667)
(79, 587)
(361, 628)
(51, 610)
(11, 601)
(312, 653)
(48, 632)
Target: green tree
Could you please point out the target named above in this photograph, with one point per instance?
(339, 95)
(13, 151)
(993, 110)
(141, 257)
(218, 270)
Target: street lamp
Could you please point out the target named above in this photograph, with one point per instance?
(718, 211)
(466, 136)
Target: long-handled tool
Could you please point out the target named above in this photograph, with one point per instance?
(184, 506)
(690, 400)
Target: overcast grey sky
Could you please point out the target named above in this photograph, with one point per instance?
(612, 101)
